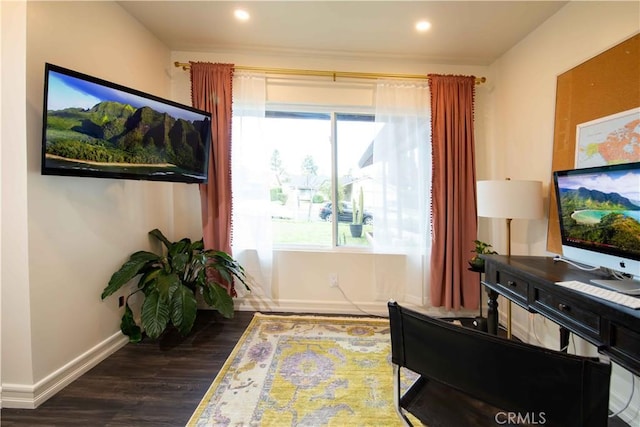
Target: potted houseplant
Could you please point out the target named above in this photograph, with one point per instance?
(481, 247)
(169, 282)
(357, 212)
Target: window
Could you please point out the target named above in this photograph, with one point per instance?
(313, 159)
(317, 180)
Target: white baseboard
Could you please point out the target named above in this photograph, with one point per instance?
(376, 308)
(305, 306)
(30, 396)
(415, 300)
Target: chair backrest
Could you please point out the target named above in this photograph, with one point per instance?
(567, 390)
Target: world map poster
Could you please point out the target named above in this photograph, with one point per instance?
(609, 140)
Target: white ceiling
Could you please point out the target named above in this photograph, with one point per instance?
(462, 32)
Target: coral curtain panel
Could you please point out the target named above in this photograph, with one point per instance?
(453, 192)
(211, 90)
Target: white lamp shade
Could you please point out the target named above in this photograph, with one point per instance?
(510, 199)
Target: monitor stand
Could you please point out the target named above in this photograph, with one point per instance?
(625, 286)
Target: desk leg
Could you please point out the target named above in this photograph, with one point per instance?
(564, 339)
(492, 312)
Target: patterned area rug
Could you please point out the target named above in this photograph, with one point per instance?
(305, 371)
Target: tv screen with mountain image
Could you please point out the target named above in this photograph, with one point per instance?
(599, 212)
(95, 128)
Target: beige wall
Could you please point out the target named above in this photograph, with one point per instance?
(521, 138)
(69, 234)
(14, 266)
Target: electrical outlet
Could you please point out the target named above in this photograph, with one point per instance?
(333, 280)
(121, 301)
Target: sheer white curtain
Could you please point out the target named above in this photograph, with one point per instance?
(251, 217)
(402, 179)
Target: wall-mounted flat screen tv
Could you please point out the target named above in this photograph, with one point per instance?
(95, 128)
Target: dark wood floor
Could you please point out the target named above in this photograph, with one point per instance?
(153, 383)
(147, 384)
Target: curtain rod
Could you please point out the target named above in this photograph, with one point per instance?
(333, 74)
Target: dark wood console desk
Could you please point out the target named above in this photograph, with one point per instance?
(529, 281)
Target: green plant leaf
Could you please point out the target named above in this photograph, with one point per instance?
(198, 245)
(483, 248)
(158, 235)
(224, 273)
(165, 284)
(227, 266)
(200, 258)
(184, 308)
(179, 262)
(194, 270)
(128, 326)
(149, 278)
(128, 271)
(224, 259)
(181, 247)
(155, 314)
(217, 297)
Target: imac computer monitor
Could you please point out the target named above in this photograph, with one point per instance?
(599, 213)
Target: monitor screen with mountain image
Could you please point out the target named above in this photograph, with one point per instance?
(599, 211)
(95, 128)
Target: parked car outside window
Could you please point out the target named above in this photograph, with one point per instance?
(345, 214)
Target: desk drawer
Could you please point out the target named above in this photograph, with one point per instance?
(556, 306)
(517, 287)
(623, 340)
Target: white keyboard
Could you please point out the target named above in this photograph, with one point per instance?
(615, 297)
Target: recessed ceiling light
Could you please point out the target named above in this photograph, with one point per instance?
(423, 26)
(241, 15)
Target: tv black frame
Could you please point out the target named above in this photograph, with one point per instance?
(122, 174)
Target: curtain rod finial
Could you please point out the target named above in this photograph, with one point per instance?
(182, 65)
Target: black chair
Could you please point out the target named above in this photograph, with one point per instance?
(471, 378)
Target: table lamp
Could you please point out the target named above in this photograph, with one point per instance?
(509, 199)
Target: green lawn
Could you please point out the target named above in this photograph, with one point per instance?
(315, 233)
